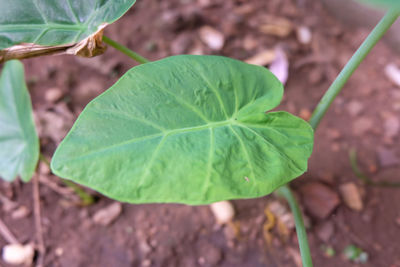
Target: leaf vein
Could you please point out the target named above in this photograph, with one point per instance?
(283, 155)
(151, 161)
(210, 159)
(40, 11)
(246, 153)
(180, 100)
(216, 93)
(123, 115)
(73, 12)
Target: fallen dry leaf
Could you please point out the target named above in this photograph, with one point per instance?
(276, 26)
(262, 58)
(280, 66)
(88, 47)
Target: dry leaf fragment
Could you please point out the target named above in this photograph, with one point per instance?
(88, 47)
(280, 66)
(276, 26)
(263, 58)
(268, 226)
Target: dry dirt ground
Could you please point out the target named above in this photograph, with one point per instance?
(365, 117)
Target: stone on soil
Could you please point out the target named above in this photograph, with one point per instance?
(319, 200)
(223, 211)
(108, 214)
(351, 196)
(18, 254)
(212, 38)
(387, 158)
(325, 231)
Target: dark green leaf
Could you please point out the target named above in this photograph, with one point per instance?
(19, 143)
(49, 22)
(383, 3)
(187, 129)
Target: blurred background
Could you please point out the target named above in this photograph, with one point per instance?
(350, 223)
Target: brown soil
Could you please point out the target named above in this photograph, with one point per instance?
(179, 235)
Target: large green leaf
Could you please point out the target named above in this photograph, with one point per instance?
(49, 22)
(186, 129)
(383, 3)
(19, 143)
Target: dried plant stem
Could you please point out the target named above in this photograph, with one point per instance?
(38, 222)
(7, 234)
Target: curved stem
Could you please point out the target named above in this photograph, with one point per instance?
(376, 34)
(285, 192)
(319, 112)
(135, 56)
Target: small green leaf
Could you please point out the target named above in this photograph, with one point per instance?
(19, 143)
(186, 129)
(383, 3)
(49, 22)
(356, 254)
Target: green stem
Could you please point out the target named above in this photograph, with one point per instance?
(285, 192)
(125, 50)
(319, 112)
(376, 34)
(365, 178)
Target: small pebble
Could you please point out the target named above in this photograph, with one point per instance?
(392, 126)
(212, 38)
(362, 126)
(351, 196)
(18, 254)
(325, 231)
(108, 214)
(305, 114)
(355, 108)
(393, 73)
(387, 158)
(304, 35)
(59, 252)
(223, 211)
(52, 95)
(319, 199)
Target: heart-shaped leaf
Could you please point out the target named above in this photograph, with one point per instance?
(38, 27)
(48, 22)
(186, 129)
(383, 3)
(19, 143)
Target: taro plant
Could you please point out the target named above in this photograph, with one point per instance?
(184, 129)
